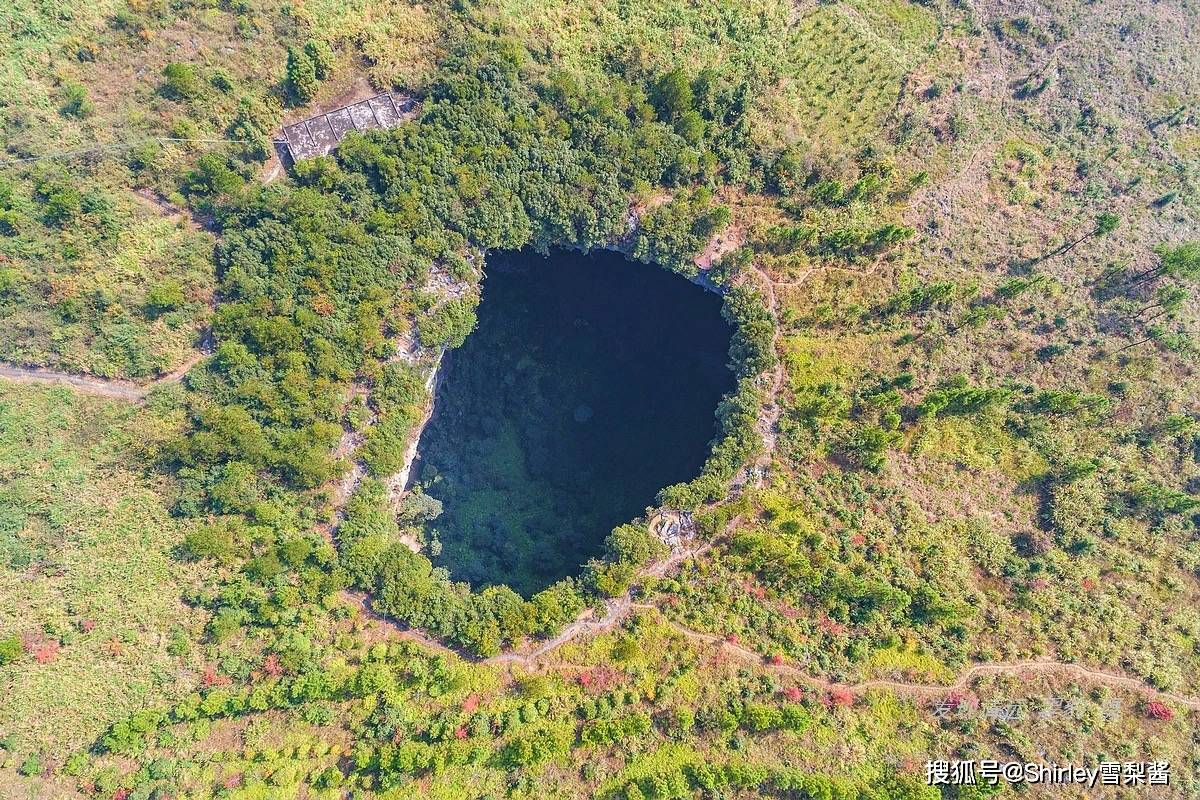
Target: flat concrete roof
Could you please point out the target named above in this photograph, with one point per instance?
(320, 135)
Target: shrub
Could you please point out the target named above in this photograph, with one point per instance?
(62, 205)
(31, 766)
(10, 225)
(386, 441)
(76, 103)
(217, 541)
(301, 82)
(633, 544)
(164, 297)
(867, 446)
(321, 55)
(448, 325)
(181, 82)
(10, 649)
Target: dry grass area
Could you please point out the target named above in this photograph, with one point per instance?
(89, 584)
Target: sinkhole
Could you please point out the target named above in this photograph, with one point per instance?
(590, 383)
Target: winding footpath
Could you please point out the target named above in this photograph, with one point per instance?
(1022, 668)
(619, 609)
(101, 387)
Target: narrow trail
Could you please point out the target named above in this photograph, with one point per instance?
(617, 610)
(1021, 668)
(615, 613)
(771, 410)
(101, 387)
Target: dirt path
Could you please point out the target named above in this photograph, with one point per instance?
(619, 609)
(101, 387)
(1023, 667)
(616, 610)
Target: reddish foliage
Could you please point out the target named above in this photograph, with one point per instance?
(858, 540)
(88, 625)
(470, 704)
(794, 693)
(672, 600)
(322, 305)
(121, 794)
(953, 701)
(46, 652)
(840, 696)
(212, 678)
(271, 665)
(1157, 709)
(831, 627)
(114, 648)
(1089, 584)
(776, 659)
(731, 638)
(1038, 584)
(598, 679)
(460, 732)
(233, 781)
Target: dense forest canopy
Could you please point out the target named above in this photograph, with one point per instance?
(312, 279)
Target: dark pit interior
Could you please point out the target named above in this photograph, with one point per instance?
(589, 384)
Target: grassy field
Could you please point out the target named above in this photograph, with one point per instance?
(88, 583)
(826, 76)
(100, 272)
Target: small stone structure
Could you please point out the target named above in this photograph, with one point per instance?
(673, 527)
(320, 135)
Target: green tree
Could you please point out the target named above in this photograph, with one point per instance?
(76, 102)
(10, 649)
(301, 81)
(164, 297)
(181, 82)
(321, 54)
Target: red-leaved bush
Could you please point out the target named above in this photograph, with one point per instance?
(46, 652)
(598, 679)
(212, 678)
(840, 696)
(271, 665)
(1156, 709)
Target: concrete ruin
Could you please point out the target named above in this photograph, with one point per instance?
(320, 135)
